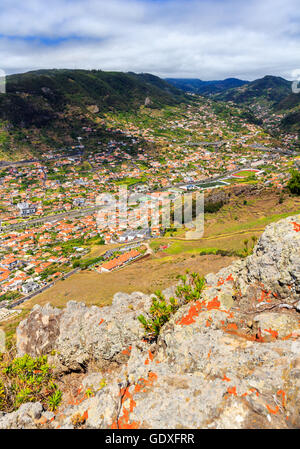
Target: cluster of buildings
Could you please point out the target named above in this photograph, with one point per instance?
(156, 155)
(30, 258)
(119, 261)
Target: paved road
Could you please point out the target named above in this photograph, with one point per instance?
(6, 164)
(51, 218)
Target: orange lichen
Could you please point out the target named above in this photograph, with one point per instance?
(43, 420)
(264, 296)
(193, 312)
(230, 278)
(152, 376)
(213, 304)
(137, 388)
(232, 390)
(287, 336)
(296, 226)
(151, 356)
(231, 326)
(123, 421)
(102, 321)
(272, 332)
(208, 323)
(226, 379)
(283, 396)
(271, 410)
(230, 314)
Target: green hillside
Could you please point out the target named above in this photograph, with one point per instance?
(274, 94)
(35, 98)
(200, 87)
(47, 107)
(269, 90)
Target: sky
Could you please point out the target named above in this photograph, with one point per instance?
(206, 39)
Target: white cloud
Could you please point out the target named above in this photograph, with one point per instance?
(192, 38)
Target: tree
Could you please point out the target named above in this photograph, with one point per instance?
(294, 182)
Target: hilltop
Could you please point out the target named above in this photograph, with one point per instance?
(270, 94)
(269, 90)
(200, 87)
(290, 106)
(47, 108)
(264, 97)
(226, 354)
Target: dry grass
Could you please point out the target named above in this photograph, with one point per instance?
(145, 276)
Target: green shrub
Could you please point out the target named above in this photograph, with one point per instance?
(294, 183)
(27, 379)
(210, 208)
(161, 311)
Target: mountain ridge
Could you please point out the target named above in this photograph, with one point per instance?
(269, 88)
(51, 106)
(200, 87)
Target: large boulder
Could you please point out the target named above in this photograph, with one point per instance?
(275, 262)
(79, 334)
(26, 417)
(38, 333)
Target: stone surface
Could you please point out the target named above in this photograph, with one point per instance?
(229, 360)
(80, 334)
(24, 418)
(38, 333)
(275, 262)
(282, 324)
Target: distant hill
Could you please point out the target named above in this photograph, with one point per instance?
(290, 106)
(287, 103)
(36, 98)
(47, 108)
(269, 89)
(273, 92)
(200, 87)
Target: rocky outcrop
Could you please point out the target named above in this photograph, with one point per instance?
(79, 334)
(275, 262)
(270, 276)
(26, 417)
(224, 195)
(229, 360)
(38, 333)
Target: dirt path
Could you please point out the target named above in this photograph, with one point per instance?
(220, 236)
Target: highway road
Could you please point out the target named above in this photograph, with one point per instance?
(51, 218)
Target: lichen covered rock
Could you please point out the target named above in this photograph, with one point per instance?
(229, 360)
